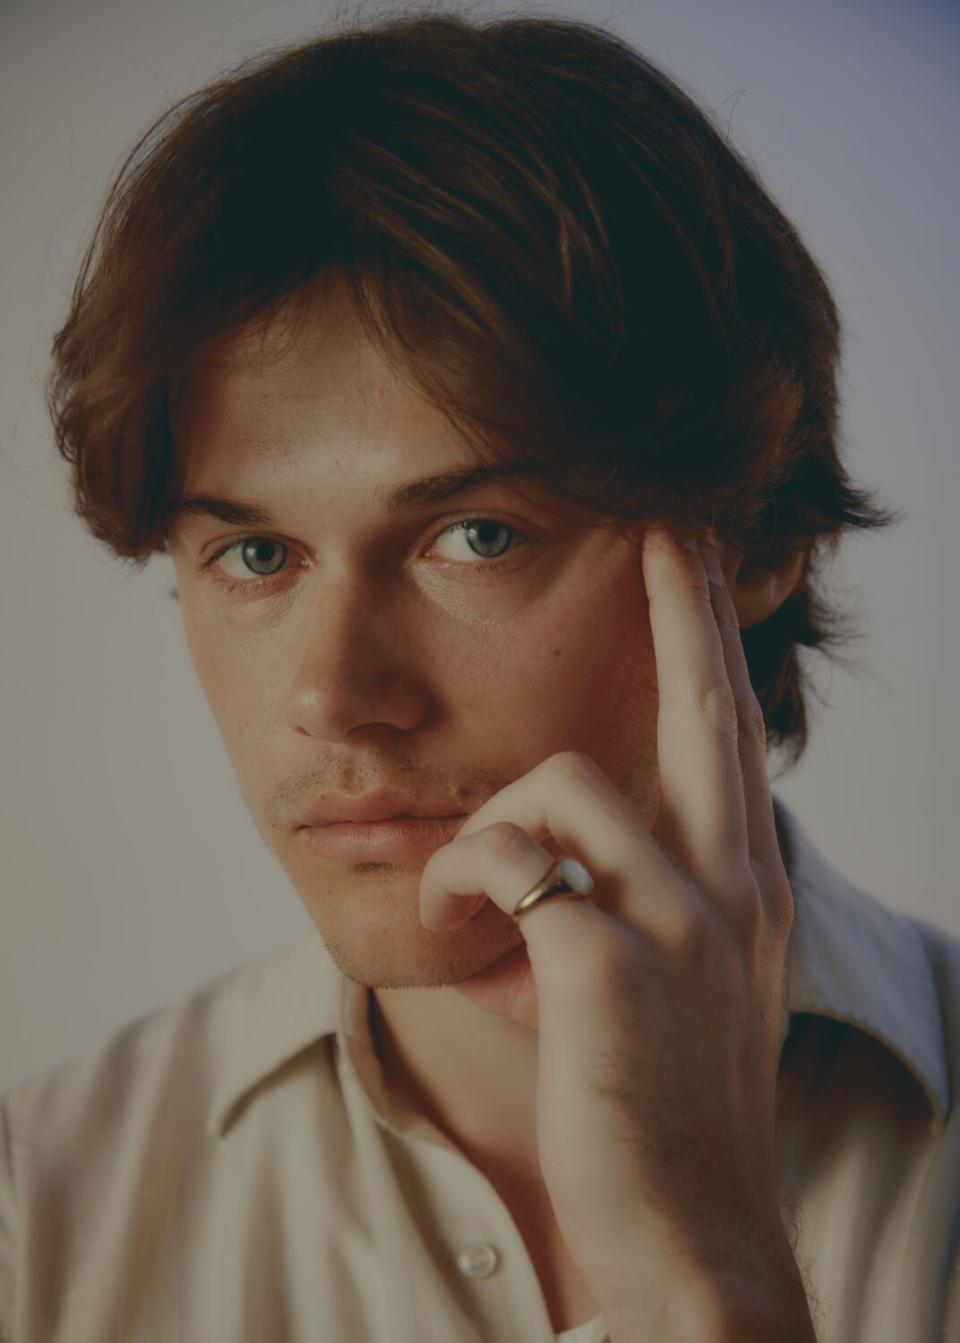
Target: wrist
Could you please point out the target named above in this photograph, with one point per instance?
(765, 1304)
(724, 1316)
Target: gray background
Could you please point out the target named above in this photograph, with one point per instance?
(132, 871)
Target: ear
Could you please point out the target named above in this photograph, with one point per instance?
(757, 593)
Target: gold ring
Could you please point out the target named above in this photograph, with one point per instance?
(566, 878)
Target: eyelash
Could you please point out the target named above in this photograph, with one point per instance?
(255, 584)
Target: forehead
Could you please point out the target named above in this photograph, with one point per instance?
(317, 411)
(266, 393)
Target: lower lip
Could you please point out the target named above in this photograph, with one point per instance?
(403, 837)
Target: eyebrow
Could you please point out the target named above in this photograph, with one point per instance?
(415, 494)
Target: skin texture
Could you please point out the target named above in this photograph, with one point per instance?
(386, 654)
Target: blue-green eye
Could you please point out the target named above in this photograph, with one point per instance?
(253, 550)
(484, 535)
(491, 542)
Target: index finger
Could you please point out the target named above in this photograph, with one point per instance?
(702, 807)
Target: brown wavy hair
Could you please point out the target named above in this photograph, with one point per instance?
(546, 236)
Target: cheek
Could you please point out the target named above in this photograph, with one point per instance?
(233, 674)
(578, 666)
(209, 652)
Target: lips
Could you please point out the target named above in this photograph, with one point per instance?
(396, 839)
(381, 806)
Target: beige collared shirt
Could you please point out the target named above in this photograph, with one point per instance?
(231, 1170)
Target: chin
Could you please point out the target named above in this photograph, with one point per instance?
(398, 955)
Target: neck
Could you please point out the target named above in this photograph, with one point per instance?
(471, 1073)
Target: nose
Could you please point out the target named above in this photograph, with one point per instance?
(357, 663)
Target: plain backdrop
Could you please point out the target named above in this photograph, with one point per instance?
(132, 872)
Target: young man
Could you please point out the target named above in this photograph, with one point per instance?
(425, 453)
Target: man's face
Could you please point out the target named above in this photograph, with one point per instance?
(387, 649)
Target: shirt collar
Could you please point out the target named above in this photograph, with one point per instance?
(849, 958)
(853, 959)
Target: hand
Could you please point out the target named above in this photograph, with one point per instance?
(659, 999)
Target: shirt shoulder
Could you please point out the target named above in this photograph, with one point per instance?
(141, 1095)
(941, 951)
(885, 974)
(59, 1127)
(114, 1143)
(179, 1041)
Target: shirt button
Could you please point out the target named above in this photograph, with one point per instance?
(477, 1261)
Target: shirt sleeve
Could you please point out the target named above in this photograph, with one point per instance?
(8, 1220)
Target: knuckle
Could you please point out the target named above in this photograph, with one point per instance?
(720, 710)
(786, 922)
(752, 724)
(783, 922)
(573, 764)
(689, 934)
(692, 941)
(745, 906)
(782, 906)
(506, 837)
(746, 884)
(747, 899)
